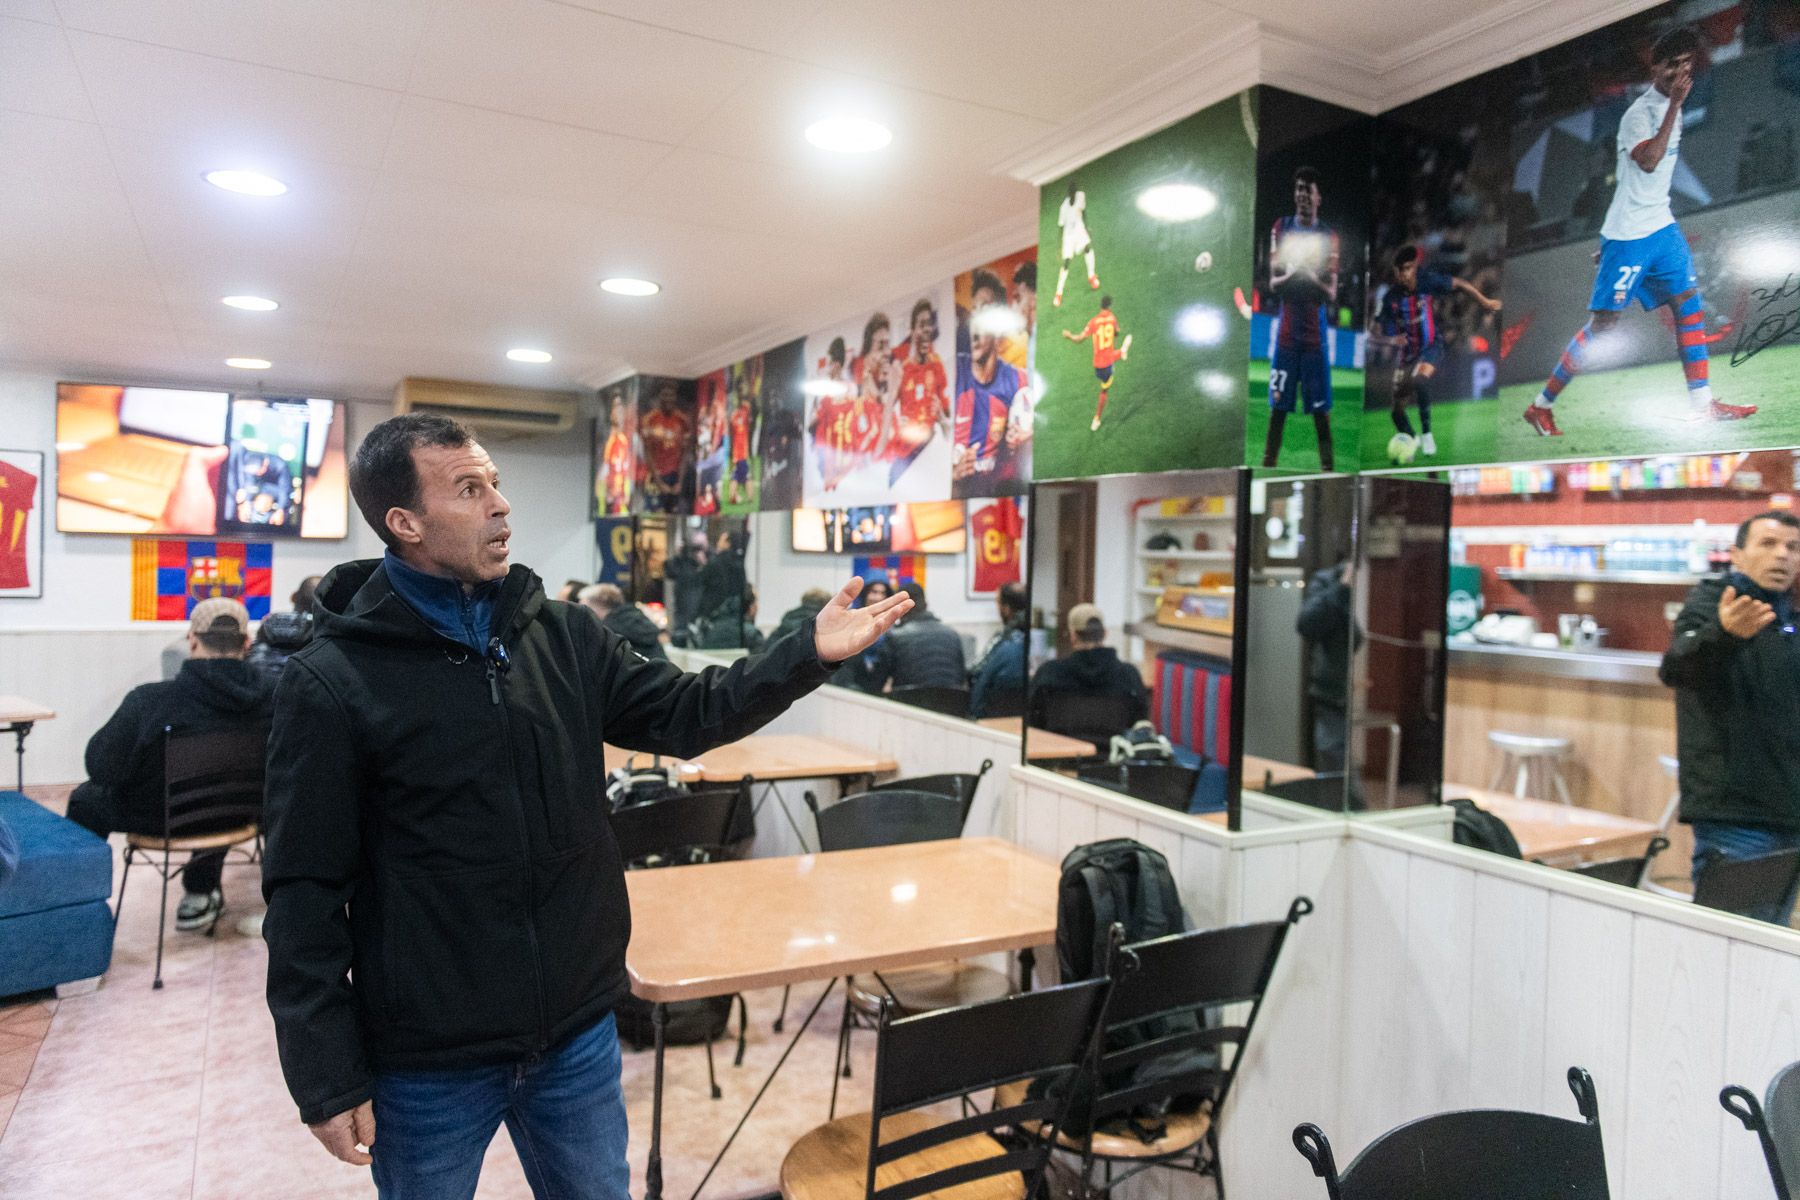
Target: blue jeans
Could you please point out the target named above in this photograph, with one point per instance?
(564, 1110)
(1745, 841)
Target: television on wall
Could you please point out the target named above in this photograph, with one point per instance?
(192, 463)
(927, 527)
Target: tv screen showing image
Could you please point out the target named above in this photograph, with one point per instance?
(194, 463)
(924, 527)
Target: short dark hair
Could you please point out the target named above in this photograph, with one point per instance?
(303, 595)
(1405, 256)
(383, 474)
(877, 321)
(1012, 597)
(984, 278)
(917, 592)
(1780, 516)
(1306, 175)
(835, 351)
(1106, 302)
(923, 304)
(1677, 41)
(1026, 275)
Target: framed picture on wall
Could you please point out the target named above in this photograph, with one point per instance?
(21, 524)
(995, 539)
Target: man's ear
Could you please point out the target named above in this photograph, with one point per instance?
(403, 523)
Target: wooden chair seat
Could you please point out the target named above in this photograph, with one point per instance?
(929, 988)
(832, 1162)
(1181, 1131)
(204, 841)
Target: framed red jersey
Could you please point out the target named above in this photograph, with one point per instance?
(996, 536)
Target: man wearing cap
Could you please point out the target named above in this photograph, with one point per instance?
(1091, 669)
(214, 690)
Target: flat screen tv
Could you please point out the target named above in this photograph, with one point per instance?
(928, 527)
(150, 460)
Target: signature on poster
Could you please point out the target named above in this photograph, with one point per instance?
(1769, 326)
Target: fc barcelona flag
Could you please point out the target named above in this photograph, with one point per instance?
(895, 568)
(169, 578)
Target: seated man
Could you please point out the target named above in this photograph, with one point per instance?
(921, 651)
(732, 624)
(625, 619)
(280, 634)
(812, 600)
(216, 689)
(1092, 669)
(1001, 667)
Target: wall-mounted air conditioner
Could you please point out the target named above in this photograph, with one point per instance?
(493, 412)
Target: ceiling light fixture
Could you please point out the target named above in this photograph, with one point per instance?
(624, 285)
(526, 355)
(247, 183)
(249, 364)
(849, 135)
(250, 303)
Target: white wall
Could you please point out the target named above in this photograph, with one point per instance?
(77, 649)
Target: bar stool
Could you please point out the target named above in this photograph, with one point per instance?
(1534, 763)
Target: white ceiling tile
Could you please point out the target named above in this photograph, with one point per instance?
(361, 41)
(768, 25)
(30, 10)
(54, 153)
(37, 72)
(584, 68)
(250, 116)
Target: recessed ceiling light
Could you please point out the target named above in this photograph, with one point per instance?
(528, 356)
(248, 183)
(624, 285)
(250, 303)
(249, 364)
(1176, 202)
(849, 135)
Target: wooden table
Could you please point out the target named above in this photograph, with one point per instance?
(1040, 744)
(17, 716)
(1259, 772)
(728, 927)
(767, 757)
(1551, 831)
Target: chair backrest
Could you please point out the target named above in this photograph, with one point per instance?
(1003, 702)
(1627, 872)
(960, 786)
(1325, 790)
(1090, 716)
(1746, 885)
(1157, 1046)
(1047, 1035)
(212, 779)
(1170, 785)
(1480, 1154)
(952, 702)
(1776, 1123)
(891, 818)
(681, 828)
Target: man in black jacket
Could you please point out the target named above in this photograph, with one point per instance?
(795, 618)
(1734, 663)
(1325, 623)
(921, 652)
(447, 910)
(1091, 670)
(280, 634)
(214, 689)
(623, 618)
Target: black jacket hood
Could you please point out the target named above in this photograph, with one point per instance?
(1093, 668)
(228, 685)
(356, 601)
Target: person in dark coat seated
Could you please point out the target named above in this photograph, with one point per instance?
(625, 619)
(1091, 669)
(922, 651)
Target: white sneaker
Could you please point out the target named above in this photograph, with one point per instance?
(1125, 348)
(198, 910)
(1427, 445)
(1095, 427)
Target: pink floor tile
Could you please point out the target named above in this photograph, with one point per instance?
(164, 1171)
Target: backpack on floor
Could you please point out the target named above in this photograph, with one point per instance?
(1476, 826)
(1122, 882)
(1140, 744)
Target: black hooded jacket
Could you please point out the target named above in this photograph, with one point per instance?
(630, 623)
(444, 890)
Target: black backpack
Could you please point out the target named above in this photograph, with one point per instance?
(1476, 826)
(1125, 882)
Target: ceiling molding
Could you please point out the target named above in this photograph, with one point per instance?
(1329, 73)
(1001, 237)
(1224, 66)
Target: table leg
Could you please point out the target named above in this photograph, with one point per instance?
(653, 1177)
(19, 729)
(1027, 968)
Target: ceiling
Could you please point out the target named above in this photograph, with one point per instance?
(463, 172)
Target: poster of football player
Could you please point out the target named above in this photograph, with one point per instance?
(878, 405)
(666, 441)
(780, 440)
(615, 450)
(991, 426)
(1312, 199)
(712, 403)
(996, 544)
(1140, 350)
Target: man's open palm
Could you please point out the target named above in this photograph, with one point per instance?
(841, 632)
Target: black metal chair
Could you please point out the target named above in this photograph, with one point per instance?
(1003, 702)
(1323, 791)
(1626, 872)
(1748, 887)
(951, 701)
(684, 829)
(962, 786)
(898, 1151)
(212, 803)
(1776, 1124)
(1158, 1052)
(1476, 1154)
(1089, 717)
(897, 818)
(1169, 785)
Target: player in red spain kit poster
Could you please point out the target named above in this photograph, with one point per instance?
(1103, 328)
(922, 400)
(667, 434)
(618, 463)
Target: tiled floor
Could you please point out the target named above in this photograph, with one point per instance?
(178, 1093)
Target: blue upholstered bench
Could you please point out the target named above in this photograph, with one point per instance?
(55, 878)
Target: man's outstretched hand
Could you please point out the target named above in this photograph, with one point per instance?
(841, 632)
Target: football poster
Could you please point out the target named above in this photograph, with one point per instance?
(666, 438)
(877, 424)
(616, 450)
(991, 425)
(1140, 345)
(996, 552)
